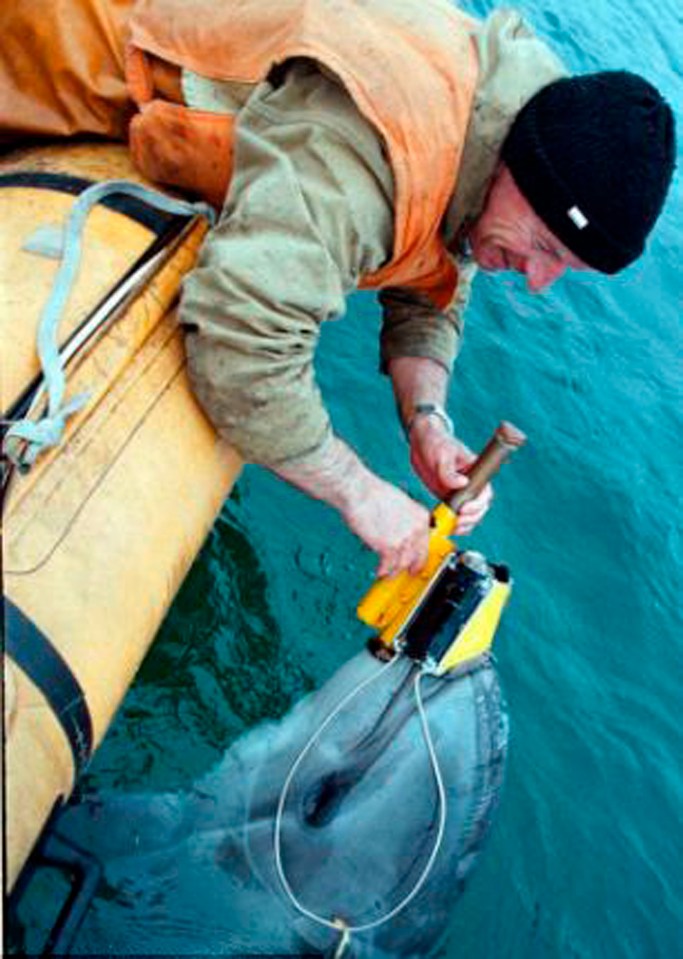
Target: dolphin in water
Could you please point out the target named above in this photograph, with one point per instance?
(346, 829)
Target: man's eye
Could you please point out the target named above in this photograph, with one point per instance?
(550, 251)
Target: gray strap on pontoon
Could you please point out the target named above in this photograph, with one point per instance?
(36, 436)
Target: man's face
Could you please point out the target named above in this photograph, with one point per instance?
(508, 235)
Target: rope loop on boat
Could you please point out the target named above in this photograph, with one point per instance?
(27, 438)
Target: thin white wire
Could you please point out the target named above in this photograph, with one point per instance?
(344, 940)
(335, 924)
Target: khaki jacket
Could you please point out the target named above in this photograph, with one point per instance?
(312, 173)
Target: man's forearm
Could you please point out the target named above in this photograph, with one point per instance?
(334, 474)
(417, 379)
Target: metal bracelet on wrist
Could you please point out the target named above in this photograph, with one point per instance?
(429, 409)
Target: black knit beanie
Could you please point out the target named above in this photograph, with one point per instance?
(594, 156)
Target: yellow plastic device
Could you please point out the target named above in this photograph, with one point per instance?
(393, 605)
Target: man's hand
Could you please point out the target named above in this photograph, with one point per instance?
(392, 524)
(389, 522)
(439, 459)
(442, 462)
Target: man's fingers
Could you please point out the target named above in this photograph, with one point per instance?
(472, 512)
(450, 478)
(410, 555)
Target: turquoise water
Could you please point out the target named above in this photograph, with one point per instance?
(585, 857)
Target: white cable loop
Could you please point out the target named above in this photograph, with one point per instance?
(337, 924)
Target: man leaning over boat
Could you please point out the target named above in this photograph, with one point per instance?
(389, 144)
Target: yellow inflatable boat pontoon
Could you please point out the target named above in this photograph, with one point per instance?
(100, 532)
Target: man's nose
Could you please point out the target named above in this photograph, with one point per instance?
(541, 272)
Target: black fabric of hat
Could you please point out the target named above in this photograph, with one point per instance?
(594, 156)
